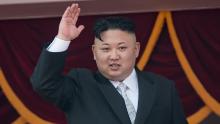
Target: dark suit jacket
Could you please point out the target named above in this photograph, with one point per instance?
(89, 98)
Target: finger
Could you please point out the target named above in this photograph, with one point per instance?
(76, 16)
(80, 28)
(66, 13)
(74, 8)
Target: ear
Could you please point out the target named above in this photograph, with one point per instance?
(137, 49)
(93, 51)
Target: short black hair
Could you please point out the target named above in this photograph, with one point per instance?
(113, 22)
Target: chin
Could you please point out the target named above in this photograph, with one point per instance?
(115, 73)
(116, 77)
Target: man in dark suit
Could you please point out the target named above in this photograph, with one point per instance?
(117, 93)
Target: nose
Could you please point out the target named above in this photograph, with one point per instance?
(114, 55)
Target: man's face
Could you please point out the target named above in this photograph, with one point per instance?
(115, 55)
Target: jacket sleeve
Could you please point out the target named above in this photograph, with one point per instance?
(48, 81)
(177, 110)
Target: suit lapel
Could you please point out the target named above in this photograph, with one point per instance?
(147, 93)
(113, 98)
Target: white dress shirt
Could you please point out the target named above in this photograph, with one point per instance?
(59, 45)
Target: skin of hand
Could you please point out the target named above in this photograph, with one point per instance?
(67, 28)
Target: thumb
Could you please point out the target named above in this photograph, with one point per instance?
(80, 28)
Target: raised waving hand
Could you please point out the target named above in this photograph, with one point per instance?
(67, 27)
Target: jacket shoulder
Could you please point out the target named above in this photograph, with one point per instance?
(80, 71)
(156, 78)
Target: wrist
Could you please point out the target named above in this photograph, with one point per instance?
(62, 37)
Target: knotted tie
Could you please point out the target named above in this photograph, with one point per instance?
(130, 108)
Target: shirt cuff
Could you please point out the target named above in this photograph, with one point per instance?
(58, 45)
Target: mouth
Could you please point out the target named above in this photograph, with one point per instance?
(114, 66)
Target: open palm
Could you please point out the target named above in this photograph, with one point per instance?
(67, 28)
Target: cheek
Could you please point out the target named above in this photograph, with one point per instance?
(129, 56)
(101, 58)
(129, 59)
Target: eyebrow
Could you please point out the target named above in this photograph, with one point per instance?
(121, 43)
(106, 44)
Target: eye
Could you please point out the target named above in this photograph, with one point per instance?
(122, 48)
(105, 49)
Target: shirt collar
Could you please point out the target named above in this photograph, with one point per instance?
(131, 81)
